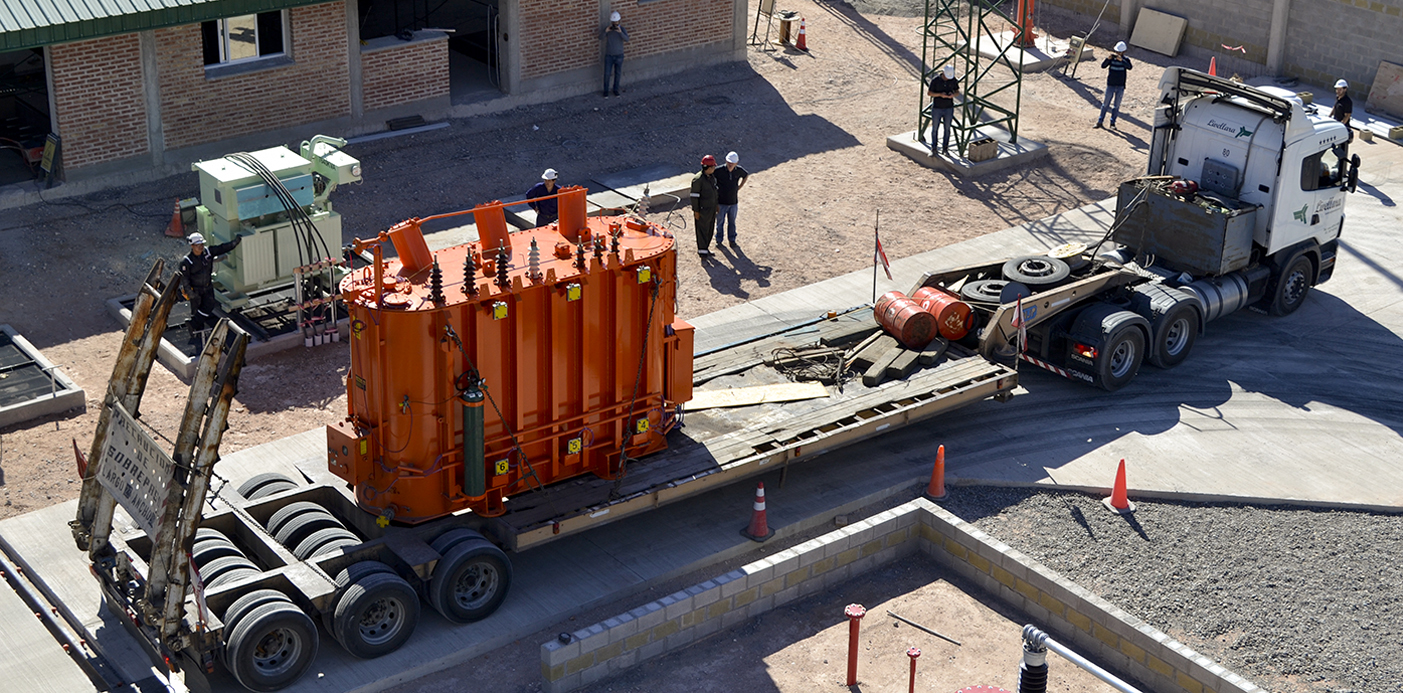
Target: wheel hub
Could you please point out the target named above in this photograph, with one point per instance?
(381, 621)
(475, 586)
(277, 651)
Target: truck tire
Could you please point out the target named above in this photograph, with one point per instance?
(219, 566)
(270, 489)
(288, 512)
(233, 576)
(350, 574)
(271, 647)
(470, 582)
(983, 290)
(207, 550)
(454, 537)
(1122, 351)
(316, 540)
(208, 533)
(334, 545)
(258, 481)
(243, 605)
(1174, 336)
(1036, 271)
(298, 528)
(1291, 287)
(375, 615)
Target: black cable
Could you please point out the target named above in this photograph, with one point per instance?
(637, 380)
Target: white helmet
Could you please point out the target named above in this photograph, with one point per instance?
(549, 174)
(615, 16)
(1121, 47)
(1341, 84)
(733, 158)
(949, 72)
(196, 239)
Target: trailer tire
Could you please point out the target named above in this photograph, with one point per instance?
(375, 615)
(243, 605)
(207, 550)
(1122, 351)
(286, 513)
(334, 545)
(270, 489)
(470, 582)
(347, 576)
(271, 647)
(233, 576)
(258, 481)
(1174, 336)
(209, 533)
(219, 566)
(316, 540)
(1291, 287)
(1037, 271)
(983, 290)
(302, 526)
(454, 537)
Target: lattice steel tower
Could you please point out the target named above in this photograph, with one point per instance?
(951, 36)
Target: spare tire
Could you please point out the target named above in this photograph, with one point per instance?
(983, 290)
(1036, 271)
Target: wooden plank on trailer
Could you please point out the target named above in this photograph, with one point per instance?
(877, 372)
(873, 352)
(759, 394)
(931, 355)
(903, 365)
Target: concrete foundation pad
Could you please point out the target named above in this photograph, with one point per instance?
(63, 395)
(1010, 153)
(1044, 54)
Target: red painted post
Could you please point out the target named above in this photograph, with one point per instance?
(854, 612)
(913, 653)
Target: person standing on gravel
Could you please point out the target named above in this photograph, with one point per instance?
(942, 92)
(614, 37)
(704, 203)
(547, 211)
(1118, 65)
(197, 270)
(729, 180)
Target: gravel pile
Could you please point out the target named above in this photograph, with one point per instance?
(1292, 599)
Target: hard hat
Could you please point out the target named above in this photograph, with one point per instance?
(733, 158)
(197, 239)
(1121, 47)
(549, 174)
(1341, 84)
(949, 72)
(708, 160)
(614, 17)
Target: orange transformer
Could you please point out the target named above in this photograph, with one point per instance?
(492, 368)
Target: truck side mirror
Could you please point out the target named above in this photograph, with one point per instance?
(1352, 180)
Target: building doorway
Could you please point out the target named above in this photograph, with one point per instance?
(24, 114)
(474, 61)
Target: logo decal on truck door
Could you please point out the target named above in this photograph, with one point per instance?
(1300, 214)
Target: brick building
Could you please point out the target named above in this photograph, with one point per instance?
(153, 84)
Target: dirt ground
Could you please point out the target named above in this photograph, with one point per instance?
(811, 130)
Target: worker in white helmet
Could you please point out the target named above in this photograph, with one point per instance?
(1117, 65)
(942, 91)
(614, 37)
(197, 270)
(547, 210)
(1344, 108)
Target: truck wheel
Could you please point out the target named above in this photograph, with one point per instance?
(376, 615)
(983, 290)
(470, 582)
(219, 566)
(316, 540)
(270, 489)
(281, 517)
(208, 533)
(1291, 287)
(247, 603)
(351, 574)
(271, 647)
(259, 481)
(210, 549)
(335, 545)
(1036, 271)
(232, 577)
(1122, 351)
(1174, 336)
(454, 537)
(298, 528)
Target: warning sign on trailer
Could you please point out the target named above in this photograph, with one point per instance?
(135, 470)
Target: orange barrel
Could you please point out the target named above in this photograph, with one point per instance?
(904, 319)
(953, 316)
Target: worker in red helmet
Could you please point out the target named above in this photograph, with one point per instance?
(197, 270)
(706, 196)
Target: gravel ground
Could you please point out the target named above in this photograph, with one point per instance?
(1292, 599)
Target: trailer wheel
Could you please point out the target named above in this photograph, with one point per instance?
(335, 545)
(1291, 287)
(220, 566)
(1036, 271)
(320, 538)
(243, 605)
(280, 518)
(349, 575)
(207, 550)
(232, 577)
(270, 489)
(470, 582)
(983, 290)
(271, 647)
(209, 533)
(258, 481)
(376, 615)
(299, 528)
(1122, 351)
(1174, 336)
(454, 537)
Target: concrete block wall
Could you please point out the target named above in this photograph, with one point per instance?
(1333, 39)
(315, 86)
(404, 73)
(1070, 614)
(1217, 23)
(1091, 8)
(99, 100)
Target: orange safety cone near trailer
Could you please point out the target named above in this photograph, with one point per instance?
(1213, 66)
(1118, 502)
(759, 529)
(801, 44)
(176, 229)
(936, 490)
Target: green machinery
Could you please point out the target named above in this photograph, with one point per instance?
(276, 199)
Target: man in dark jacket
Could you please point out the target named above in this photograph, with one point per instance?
(729, 180)
(705, 194)
(547, 211)
(942, 92)
(614, 37)
(197, 269)
(1117, 65)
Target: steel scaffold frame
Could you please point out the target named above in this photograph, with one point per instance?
(953, 39)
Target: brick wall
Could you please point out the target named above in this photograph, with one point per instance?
(99, 100)
(1332, 39)
(1091, 8)
(405, 73)
(560, 35)
(315, 86)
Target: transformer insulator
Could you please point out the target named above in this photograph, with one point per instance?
(580, 255)
(436, 283)
(503, 280)
(598, 248)
(469, 275)
(1032, 679)
(614, 242)
(533, 261)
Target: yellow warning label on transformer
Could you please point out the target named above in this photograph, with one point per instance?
(502, 467)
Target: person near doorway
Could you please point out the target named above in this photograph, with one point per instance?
(1118, 66)
(197, 270)
(942, 92)
(614, 37)
(548, 210)
(729, 180)
(704, 203)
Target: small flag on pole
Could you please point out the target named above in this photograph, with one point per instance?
(881, 255)
(1022, 328)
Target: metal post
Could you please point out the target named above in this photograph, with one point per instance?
(913, 653)
(854, 612)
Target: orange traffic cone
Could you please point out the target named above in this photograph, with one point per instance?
(801, 44)
(1118, 502)
(759, 529)
(936, 490)
(1213, 66)
(176, 228)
